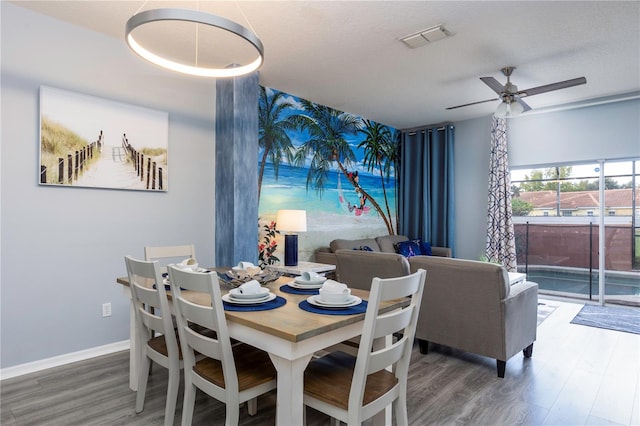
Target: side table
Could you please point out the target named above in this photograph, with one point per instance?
(303, 266)
(516, 277)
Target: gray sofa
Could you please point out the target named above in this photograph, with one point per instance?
(384, 244)
(466, 304)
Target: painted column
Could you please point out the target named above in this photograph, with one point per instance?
(236, 165)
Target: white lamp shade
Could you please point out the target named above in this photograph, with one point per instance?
(291, 220)
(509, 109)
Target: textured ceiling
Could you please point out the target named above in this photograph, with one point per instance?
(347, 54)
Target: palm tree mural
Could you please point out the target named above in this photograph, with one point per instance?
(381, 152)
(327, 130)
(273, 138)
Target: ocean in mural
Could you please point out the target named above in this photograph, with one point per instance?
(290, 191)
(327, 217)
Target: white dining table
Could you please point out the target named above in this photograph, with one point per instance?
(290, 335)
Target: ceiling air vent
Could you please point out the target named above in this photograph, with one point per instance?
(425, 36)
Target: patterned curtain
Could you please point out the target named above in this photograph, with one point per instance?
(501, 242)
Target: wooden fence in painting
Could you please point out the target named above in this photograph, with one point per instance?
(71, 167)
(145, 167)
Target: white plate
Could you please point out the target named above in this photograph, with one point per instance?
(304, 286)
(351, 301)
(319, 280)
(261, 294)
(233, 301)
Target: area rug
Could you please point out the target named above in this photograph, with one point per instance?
(544, 310)
(611, 318)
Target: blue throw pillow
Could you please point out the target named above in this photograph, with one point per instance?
(413, 248)
(425, 248)
(408, 248)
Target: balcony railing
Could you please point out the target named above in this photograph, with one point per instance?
(562, 257)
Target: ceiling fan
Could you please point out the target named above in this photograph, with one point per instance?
(512, 103)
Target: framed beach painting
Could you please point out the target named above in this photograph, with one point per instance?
(86, 141)
(337, 166)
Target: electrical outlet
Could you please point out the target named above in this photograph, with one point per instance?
(106, 309)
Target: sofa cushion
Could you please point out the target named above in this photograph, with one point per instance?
(354, 244)
(387, 242)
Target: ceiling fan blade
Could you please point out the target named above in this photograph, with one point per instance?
(523, 103)
(473, 103)
(494, 84)
(553, 86)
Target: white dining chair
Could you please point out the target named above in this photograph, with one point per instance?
(232, 374)
(354, 389)
(154, 327)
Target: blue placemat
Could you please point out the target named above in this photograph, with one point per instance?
(358, 309)
(272, 304)
(288, 289)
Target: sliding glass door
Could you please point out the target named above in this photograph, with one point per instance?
(557, 216)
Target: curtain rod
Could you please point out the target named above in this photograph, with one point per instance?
(412, 131)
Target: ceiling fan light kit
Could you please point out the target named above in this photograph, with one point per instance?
(512, 103)
(508, 109)
(196, 17)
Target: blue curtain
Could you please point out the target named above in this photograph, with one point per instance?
(426, 186)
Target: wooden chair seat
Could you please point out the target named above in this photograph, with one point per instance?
(253, 367)
(159, 344)
(329, 379)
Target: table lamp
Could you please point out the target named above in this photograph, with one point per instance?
(291, 221)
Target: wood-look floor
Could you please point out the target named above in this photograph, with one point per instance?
(578, 375)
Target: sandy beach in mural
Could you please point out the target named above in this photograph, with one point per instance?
(327, 218)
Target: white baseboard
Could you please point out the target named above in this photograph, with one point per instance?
(56, 361)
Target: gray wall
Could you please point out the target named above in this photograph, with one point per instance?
(608, 131)
(471, 165)
(62, 247)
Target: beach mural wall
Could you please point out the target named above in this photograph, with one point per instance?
(338, 167)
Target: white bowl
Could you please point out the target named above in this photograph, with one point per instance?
(333, 297)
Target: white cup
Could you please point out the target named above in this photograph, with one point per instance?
(245, 265)
(310, 276)
(250, 287)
